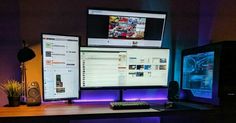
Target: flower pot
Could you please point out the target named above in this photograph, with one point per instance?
(14, 101)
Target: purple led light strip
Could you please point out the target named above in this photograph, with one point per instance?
(108, 100)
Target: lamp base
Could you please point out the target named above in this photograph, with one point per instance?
(23, 100)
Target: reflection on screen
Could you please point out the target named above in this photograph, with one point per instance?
(198, 74)
(123, 67)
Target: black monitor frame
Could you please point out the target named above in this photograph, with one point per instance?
(79, 92)
(129, 10)
(128, 87)
(215, 85)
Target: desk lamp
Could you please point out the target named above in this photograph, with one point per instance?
(25, 54)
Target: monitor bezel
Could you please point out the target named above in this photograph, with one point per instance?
(128, 87)
(215, 85)
(79, 90)
(127, 10)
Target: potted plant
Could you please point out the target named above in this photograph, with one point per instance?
(13, 89)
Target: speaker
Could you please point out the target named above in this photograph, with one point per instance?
(33, 94)
(173, 91)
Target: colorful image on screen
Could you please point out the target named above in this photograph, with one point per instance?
(198, 74)
(126, 27)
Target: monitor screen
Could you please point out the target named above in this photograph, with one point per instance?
(123, 67)
(125, 28)
(60, 66)
(197, 74)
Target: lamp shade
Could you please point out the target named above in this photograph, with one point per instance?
(25, 54)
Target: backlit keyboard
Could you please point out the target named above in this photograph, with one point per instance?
(129, 105)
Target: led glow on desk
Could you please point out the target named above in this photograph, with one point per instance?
(94, 100)
(128, 95)
(110, 100)
(145, 99)
(129, 99)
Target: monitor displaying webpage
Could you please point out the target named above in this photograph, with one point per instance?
(60, 66)
(123, 67)
(123, 28)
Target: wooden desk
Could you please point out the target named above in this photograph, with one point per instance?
(65, 112)
(60, 112)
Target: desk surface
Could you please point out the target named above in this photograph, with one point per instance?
(61, 109)
(79, 109)
(64, 113)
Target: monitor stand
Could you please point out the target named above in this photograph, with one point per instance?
(120, 95)
(69, 101)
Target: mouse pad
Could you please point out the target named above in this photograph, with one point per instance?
(177, 106)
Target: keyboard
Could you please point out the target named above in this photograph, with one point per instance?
(129, 105)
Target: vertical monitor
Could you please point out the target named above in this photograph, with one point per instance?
(123, 67)
(125, 28)
(197, 73)
(60, 55)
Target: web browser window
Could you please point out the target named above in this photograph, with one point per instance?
(123, 67)
(60, 66)
(123, 28)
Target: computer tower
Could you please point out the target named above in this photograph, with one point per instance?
(227, 72)
(208, 73)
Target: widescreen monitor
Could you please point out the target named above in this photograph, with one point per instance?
(60, 54)
(123, 67)
(125, 28)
